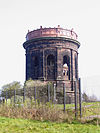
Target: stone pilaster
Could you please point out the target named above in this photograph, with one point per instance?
(59, 64)
(72, 70)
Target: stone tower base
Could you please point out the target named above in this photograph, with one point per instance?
(70, 94)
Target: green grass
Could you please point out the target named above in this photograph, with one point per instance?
(9, 125)
(61, 106)
(89, 109)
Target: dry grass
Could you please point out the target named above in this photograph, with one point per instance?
(42, 113)
(51, 112)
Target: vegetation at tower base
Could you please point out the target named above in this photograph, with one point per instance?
(38, 89)
(41, 89)
(32, 91)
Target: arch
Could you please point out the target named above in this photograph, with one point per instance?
(66, 60)
(50, 67)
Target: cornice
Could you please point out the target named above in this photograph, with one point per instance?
(48, 39)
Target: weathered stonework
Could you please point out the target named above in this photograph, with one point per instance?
(47, 50)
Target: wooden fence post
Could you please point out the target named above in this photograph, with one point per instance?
(80, 98)
(54, 93)
(64, 97)
(75, 99)
(6, 97)
(35, 95)
(48, 93)
(14, 96)
(23, 95)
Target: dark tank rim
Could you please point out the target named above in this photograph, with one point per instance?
(61, 39)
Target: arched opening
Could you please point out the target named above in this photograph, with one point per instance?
(66, 60)
(50, 67)
(76, 69)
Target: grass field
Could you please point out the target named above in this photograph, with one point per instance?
(9, 125)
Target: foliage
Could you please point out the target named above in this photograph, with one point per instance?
(34, 83)
(85, 97)
(11, 86)
(8, 89)
(38, 89)
(19, 99)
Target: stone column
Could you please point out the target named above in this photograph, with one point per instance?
(59, 78)
(71, 69)
(42, 66)
(59, 64)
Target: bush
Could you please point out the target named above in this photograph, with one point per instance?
(41, 89)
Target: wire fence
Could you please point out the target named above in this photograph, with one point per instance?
(42, 95)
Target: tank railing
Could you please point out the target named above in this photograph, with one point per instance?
(51, 32)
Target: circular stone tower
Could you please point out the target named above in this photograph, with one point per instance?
(52, 55)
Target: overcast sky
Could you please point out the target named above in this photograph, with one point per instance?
(19, 16)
